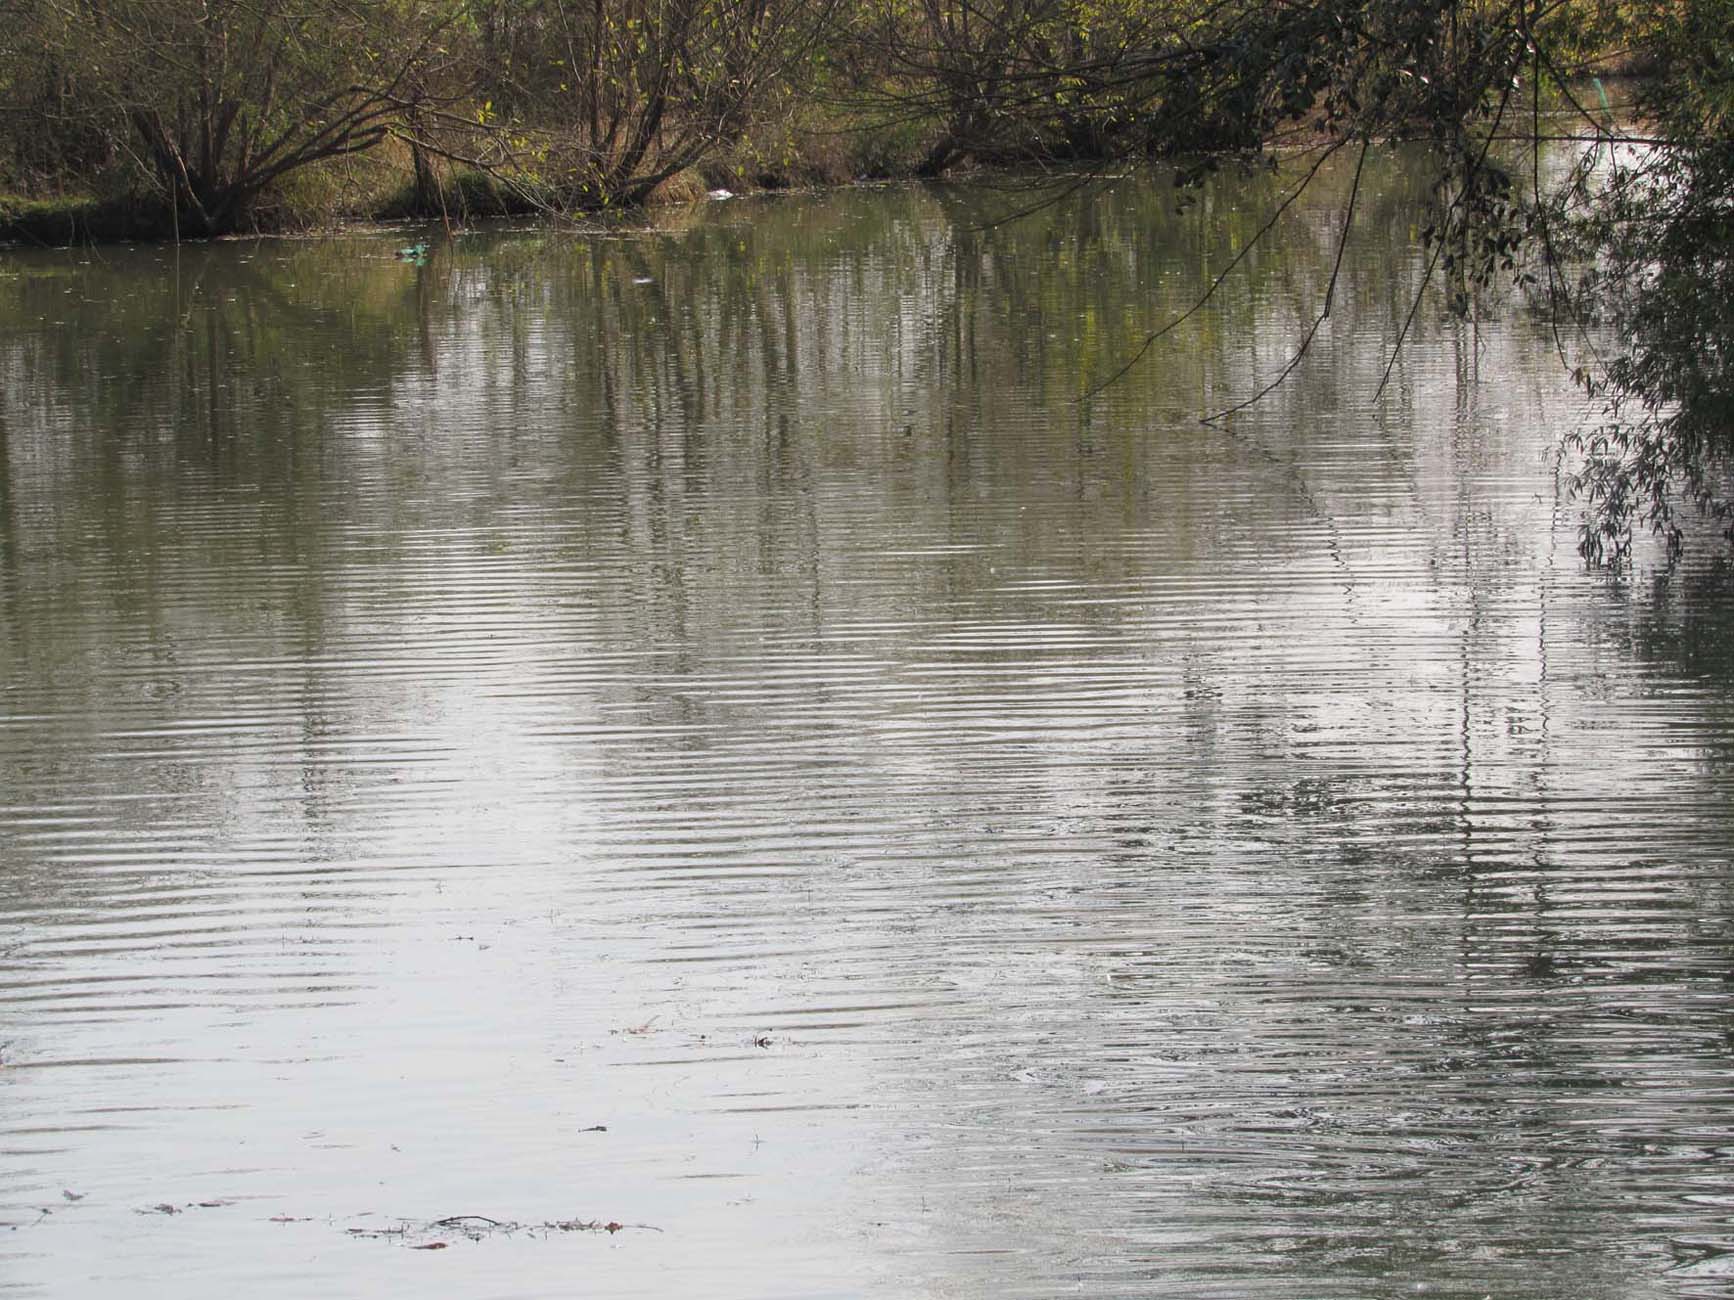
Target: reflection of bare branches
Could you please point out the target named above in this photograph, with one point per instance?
(1245, 250)
(1324, 311)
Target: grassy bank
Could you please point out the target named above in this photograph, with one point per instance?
(815, 149)
(79, 219)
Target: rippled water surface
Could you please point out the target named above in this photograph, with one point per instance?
(698, 731)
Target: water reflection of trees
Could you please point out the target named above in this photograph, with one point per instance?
(779, 389)
(1293, 718)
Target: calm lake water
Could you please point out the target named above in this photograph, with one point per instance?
(698, 730)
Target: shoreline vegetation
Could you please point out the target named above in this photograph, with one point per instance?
(385, 188)
(181, 119)
(386, 192)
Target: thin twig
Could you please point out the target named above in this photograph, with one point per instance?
(1330, 294)
(1150, 340)
(1427, 276)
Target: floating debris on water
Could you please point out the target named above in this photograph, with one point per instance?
(166, 1207)
(432, 1234)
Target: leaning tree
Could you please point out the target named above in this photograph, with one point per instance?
(219, 100)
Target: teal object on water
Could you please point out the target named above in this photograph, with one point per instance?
(416, 253)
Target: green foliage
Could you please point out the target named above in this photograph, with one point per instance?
(1660, 223)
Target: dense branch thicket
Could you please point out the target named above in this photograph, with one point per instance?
(597, 102)
(208, 104)
(213, 102)
(205, 116)
(1657, 233)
